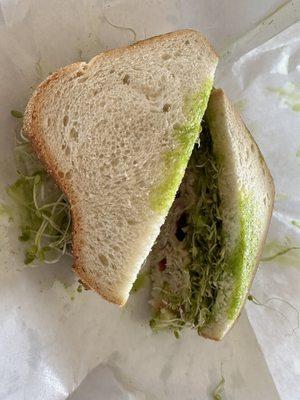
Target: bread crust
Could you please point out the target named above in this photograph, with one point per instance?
(32, 128)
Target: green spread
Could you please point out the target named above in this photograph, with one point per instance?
(240, 262)
(175, 161)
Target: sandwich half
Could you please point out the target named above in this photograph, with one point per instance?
(206, 255)
(116, 135)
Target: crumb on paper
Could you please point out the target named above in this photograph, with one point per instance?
(217, 393)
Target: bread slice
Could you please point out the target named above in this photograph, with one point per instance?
(247, 197)
(206, 255)
(116, 134)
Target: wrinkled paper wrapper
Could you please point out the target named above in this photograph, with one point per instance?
(55, 342)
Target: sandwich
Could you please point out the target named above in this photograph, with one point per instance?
(131, 169)
(116, 135)
(206, 255)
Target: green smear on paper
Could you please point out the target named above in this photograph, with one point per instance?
(290, 95)
(6, 211)
(296, 223)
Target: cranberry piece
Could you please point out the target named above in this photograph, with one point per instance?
(162, 265)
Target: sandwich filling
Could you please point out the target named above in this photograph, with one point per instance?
(188, 260)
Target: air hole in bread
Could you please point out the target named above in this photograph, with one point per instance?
(131, 222)
(68, 175)
(103, 260)
(67, 151)
(115, 162)
(95, 92)
(83, 79)
(177, 54)
(113, 266)
(74, 134)
(60, 174)
(126, 79)
(152, 93)
(112, 71)
(187, 42)
(48, 121)
(166, 107)
(252, 148)
(79, 73)
(166, 56)
(65, 120)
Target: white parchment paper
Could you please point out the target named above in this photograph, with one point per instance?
(265, 84)
(51, 337)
